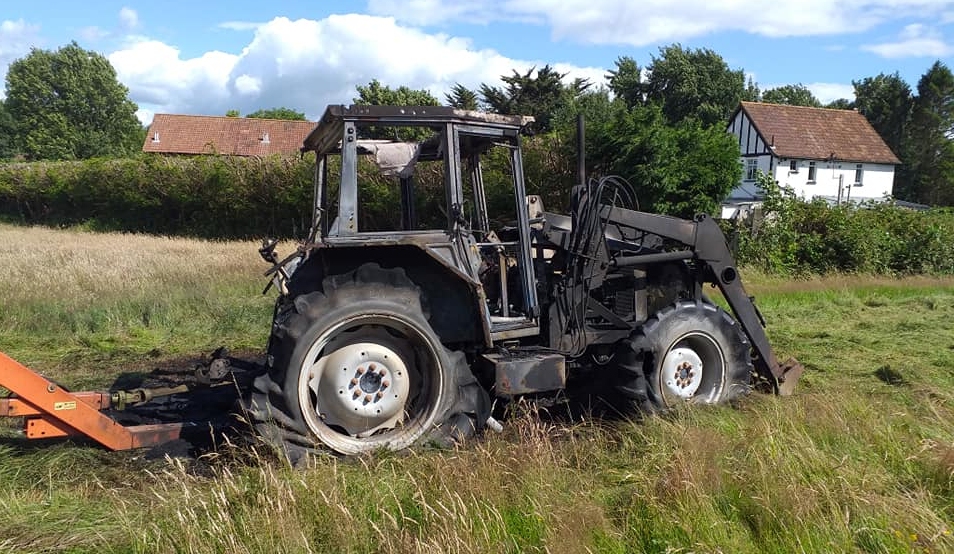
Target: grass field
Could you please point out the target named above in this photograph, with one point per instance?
(860, 460)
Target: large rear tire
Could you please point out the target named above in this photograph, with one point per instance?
(690, 352)
(357, 368)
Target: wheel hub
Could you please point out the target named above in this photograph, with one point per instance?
(361, 387)
(682, 372)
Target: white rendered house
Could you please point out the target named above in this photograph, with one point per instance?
(820, 153)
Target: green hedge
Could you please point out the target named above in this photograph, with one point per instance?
(224, 197)
(203, 196)
(792, 236)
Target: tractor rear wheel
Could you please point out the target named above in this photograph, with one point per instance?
(357, 367)
(692, 351)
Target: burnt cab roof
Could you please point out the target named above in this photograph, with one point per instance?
(327, 134)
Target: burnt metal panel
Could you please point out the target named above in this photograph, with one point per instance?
(348, 195)
(527, 372)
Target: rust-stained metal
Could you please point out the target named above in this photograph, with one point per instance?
(524, 373)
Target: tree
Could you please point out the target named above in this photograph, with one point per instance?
(7, 129)
(886, 102)
(232, 113)
(841, 104)
(751, 92)
(679, 170)
(929, 148)
(462, 98)
(68, 104)
(277, 113)
(376, 94)
(694, 84)
(626, 81)
(792, 95)
(537, 93)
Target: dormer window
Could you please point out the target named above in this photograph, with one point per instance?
(155, 137)
(265, 139)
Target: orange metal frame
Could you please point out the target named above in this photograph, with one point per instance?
(51, 411)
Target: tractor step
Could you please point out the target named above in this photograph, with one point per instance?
(521, 372)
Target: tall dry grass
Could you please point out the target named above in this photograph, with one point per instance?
(74, 300)
(860, 460)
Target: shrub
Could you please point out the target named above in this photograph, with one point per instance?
(793, 236)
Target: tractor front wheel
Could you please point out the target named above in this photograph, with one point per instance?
(689, 352)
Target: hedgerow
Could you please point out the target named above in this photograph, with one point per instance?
(222, 197)
(794, 236)
(205, 196)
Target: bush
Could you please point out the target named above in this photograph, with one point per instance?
(204, 196)
(792, 236)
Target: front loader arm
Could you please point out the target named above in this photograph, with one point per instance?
(706, 243)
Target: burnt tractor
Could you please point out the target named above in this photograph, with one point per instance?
(392, 331)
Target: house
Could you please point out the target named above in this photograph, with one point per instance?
(820, 153)
(235, 136)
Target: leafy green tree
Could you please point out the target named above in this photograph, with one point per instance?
(376, 94)
(695, 84)
(232, 113)
(680, 169)
(277, 113)
(886, 101)
(929, 147)
(539, 93)
(841, 104)
(751, 92)
(626, 81)
(7, 129)
(462, 98)
(68, 104)
(792, 95)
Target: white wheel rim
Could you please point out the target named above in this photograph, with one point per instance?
(693, 369)
(362, 387)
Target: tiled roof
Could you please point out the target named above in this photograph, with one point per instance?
(238, 136)
(818, 133)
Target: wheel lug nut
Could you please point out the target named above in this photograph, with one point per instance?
(385, 384)
(371, 367)
(360, 371)
(357, 393)
(380, 395)
(354, 381)
(382, 373)
(367, 398)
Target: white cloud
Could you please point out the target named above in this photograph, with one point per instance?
(246, 84)
(914, 41)
(93, 33)
(159, 80)
(307, 64)
(128, 18)
(239, 25)
(653, 21)
(829, 92)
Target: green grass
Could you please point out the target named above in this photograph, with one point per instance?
(860, 460)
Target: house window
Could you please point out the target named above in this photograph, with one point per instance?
(751, 169)
(859, 174)
(793, 166)
(265, 139)
(155, 137)
(811, 172)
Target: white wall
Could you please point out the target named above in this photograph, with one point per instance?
(876, 182)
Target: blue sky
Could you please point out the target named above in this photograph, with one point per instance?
(176, 57)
